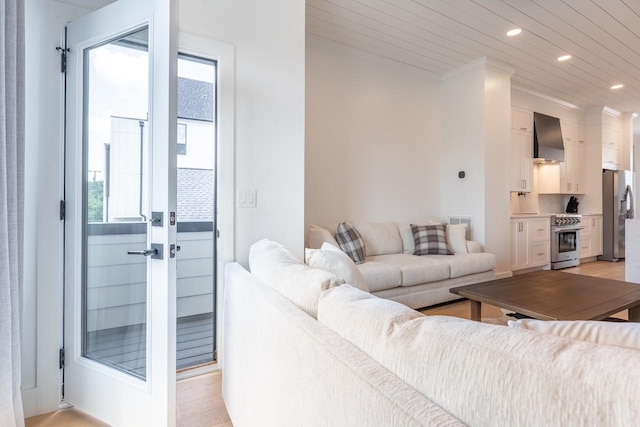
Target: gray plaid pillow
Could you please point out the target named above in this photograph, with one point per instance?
(350, 242)
(430, 240)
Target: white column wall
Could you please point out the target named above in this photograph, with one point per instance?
(463, 146)
(497, 135)
(372, 137)
(270, 91)
(476, 139)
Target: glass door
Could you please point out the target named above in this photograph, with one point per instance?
(120, 242)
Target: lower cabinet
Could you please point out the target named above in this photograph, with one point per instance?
(591, 236)
(529, 243)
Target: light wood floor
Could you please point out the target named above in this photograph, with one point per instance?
(199, 404)
(199, 399)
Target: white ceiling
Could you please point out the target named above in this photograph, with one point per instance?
(603, 36)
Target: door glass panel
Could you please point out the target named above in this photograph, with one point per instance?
(196, 211)
(115, 209)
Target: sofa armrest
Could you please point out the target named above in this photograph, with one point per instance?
(474, 247)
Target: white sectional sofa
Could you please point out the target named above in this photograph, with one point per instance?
(368, 361)
(393, 272)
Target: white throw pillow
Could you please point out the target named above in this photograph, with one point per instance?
(280, 269)
(621, 334)
(456, 238)
(318, 235)
(333, 260)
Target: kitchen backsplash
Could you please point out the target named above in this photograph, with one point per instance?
(537, 203)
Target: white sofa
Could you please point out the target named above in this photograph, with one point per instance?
(393, 272)
(368, 361)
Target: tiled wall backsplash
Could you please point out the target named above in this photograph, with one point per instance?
(537, 203)
(526, 203)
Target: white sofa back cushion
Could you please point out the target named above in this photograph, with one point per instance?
(283, 368)
(489, 375)
(623, 334)
(380, 238)
(333, 260)
(279, 268)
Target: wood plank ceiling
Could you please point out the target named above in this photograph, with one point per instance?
(603, 37)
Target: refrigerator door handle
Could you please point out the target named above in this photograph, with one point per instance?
(629, 198)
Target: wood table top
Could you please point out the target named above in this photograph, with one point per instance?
(554, 295)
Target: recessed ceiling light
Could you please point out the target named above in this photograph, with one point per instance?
(564, 57)
(618, 86)
(514, 32)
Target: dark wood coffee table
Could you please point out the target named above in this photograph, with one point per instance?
(554, 295)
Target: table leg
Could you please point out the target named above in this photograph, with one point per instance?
(476, 311)
(634, 314)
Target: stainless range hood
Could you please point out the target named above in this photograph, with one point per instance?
(548, 145)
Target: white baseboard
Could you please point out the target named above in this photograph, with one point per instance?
(30, 402)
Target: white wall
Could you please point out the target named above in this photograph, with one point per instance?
(42, 304)
(269, 51)
(372, 137)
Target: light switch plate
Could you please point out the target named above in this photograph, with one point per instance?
(247, 198)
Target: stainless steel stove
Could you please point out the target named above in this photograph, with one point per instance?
(565, 240)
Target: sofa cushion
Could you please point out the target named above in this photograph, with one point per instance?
(380, 275)
(465, 264)
(351, 243)
(430, 240)
(416, 270)
(280, 269)
(622, 334)
(380, 238)
(333, 260)
(489, 375)
(318, 235)
(456, 238)
(408, 244)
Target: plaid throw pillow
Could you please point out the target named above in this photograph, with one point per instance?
(350, 242)
(430, 240)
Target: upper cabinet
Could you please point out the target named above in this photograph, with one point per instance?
(521, 161)
(610, 148)
(521, 120)
(568, 177)
(521, 150)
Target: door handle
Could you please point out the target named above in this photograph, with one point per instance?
(155, 252)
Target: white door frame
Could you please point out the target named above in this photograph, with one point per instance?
(224, 54)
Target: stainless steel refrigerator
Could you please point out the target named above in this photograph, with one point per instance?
(617, 206)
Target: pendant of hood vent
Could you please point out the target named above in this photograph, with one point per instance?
(548, 145)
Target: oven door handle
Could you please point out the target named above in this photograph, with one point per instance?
(560, 230)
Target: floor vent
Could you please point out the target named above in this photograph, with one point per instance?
(463, 220)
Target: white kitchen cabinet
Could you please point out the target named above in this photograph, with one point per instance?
(610, 148)
(521, 161)
(573, 176)
(529, 242)
(568, 177)
(522, 119)
(591, 236)
(569, 131)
